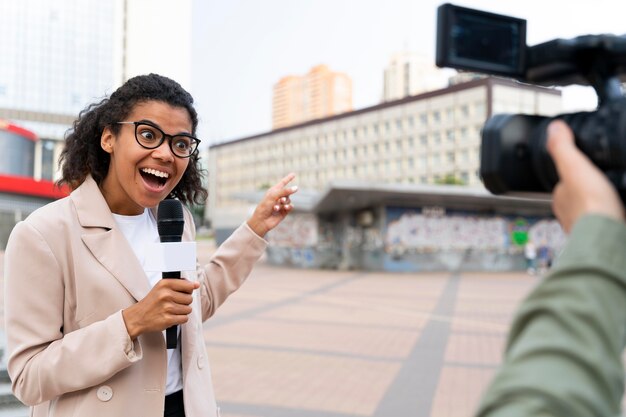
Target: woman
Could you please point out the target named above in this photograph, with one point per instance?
(84, 321)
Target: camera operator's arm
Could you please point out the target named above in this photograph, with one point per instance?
(564, 351)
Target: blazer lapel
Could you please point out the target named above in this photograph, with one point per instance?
(105, 241)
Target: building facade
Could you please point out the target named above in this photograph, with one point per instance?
(318, 94)
(422, 139)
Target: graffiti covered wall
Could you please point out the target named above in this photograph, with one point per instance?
(301, 240)
(298, 230)
(411, 239)
(417, 239)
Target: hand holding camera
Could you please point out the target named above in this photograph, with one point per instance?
(582, 187)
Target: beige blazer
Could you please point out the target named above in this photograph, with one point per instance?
(69, 272)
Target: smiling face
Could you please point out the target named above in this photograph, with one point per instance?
(140, 178)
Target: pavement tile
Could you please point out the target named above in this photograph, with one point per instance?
(459, 391)
(475, 349)
(330, 338)
(300, 380)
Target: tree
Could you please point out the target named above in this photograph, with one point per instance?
(450, 179)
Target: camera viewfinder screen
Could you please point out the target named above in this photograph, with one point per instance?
(487, 40)
(480, 41)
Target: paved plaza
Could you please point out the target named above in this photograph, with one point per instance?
(311, 343)
(319, 343)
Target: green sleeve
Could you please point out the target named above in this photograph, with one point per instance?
(564, 350)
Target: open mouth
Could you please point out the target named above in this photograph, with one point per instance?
(154, 178)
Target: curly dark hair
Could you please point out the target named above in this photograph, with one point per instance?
(82, 154)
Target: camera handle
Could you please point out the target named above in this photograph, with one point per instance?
(604, 81)
(607, 88)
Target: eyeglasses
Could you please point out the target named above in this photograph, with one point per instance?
(149, 136)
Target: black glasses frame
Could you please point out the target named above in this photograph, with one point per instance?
(194, 144)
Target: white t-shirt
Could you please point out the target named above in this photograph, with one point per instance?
(140, 231)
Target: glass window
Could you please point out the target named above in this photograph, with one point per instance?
(480, 109)
(47, 160)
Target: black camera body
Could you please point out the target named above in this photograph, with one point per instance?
(514, 159)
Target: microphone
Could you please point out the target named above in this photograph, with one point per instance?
(170, 223)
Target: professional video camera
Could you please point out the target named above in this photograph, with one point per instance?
(514, 158)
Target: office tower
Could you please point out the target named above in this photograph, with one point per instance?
(408, 74)
(60, 56)
(318, 94)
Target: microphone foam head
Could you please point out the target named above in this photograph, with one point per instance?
(170, 220)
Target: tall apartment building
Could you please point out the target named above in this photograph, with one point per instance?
(417, 140)
(59, 56)
(318, 94)
(410, 73)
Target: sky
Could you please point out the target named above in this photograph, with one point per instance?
(241, 48)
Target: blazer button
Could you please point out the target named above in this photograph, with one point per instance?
(200, 361)
(105, 393)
